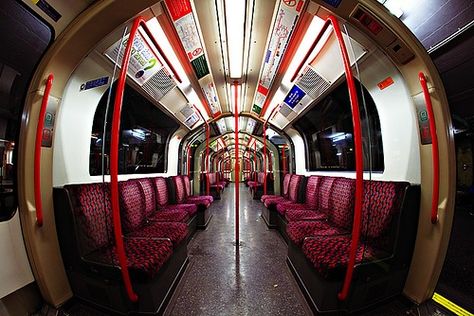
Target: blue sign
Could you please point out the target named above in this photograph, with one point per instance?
(94, 83)
(294, 96)
(334, 3)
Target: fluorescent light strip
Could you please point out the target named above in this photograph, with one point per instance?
(235, 29)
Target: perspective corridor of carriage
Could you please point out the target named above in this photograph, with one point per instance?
(236, 157)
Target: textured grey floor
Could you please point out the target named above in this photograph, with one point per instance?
(253, 280)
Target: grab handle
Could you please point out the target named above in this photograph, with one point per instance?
(434, 148)
(37, 157)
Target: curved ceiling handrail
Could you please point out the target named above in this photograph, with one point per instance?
(434, 148)
(37, 155)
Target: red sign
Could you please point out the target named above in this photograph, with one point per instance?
(290, 3)
(385, 83)
(178, 8)
(197, 51)
(262, 90)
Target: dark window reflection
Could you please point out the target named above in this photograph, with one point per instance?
(144, 135)
(24, 40)
(328, 132)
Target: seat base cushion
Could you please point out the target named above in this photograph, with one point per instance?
(176, 232)
(294, 215)
(272, 201)
(144, 255)
(191, 208)
(330, 255)
(283, 207)
(298, 231)
(170, 216)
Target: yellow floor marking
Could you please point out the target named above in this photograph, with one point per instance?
(458, 310)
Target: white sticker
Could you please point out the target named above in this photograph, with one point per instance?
(143, 61)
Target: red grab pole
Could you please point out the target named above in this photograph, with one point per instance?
(358, 157)
(37, 156)
(207, 159)
(255, 157)
(283, 158)
(434, 148)
(265, 158)
(237, 166)
(114, 147)
(189, 161)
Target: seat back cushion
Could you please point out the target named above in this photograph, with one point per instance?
(382, 201)
(324, 193)
(261, 177)
(286, 184)
(311, 196)
(187, 185)
(92, 212)
(148, 192)
(180, 189)
(341, 202)
(132, 205)
(161, 190)
(294, 187)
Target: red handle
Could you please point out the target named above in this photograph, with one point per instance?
(434, 148)
(37, 163)
(265, 158)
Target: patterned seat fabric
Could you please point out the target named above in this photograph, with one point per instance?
(132, 206)
(341, 203)
(381, 204)
(330, 255)
(144, 255)
(311, 201)
(176, 232)
(298, 231)
(293, 215)
(272, 201)
(190, 209)
(324, 193)
(93, 216)
(294, 187)
(204, 200)
(134, 221)
(286, 183)
(170, 216)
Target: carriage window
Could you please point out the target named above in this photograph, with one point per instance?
(24, 40)
(145, 131)
(328, 133)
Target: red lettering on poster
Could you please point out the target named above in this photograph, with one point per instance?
(178, 8)
(262, 90)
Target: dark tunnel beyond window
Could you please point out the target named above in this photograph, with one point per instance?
(328, 133)
(144, 134)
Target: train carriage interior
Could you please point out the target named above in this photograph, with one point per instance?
(236, 157)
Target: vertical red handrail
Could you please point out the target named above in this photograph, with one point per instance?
(206, 164)
(236, 166)
(265, 158)
(189, 161)
(358, 157)
(114, 147)
(255, 157)
(434, 148)
(37, 157)
(207, 159)
(283, 158)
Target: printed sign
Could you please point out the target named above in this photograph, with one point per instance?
(294, 96)
(94, 83)
(48, 9)
(423, 119)
(143, 65)
(211, 96)
(190, 121)
(385, 83)
(286, 18)
(178, 8)
(49, 118)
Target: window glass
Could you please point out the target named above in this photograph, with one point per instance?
(328, 133)
(24, 40)
(144, 135)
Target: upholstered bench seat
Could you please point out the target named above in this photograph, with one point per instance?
(144, 255)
